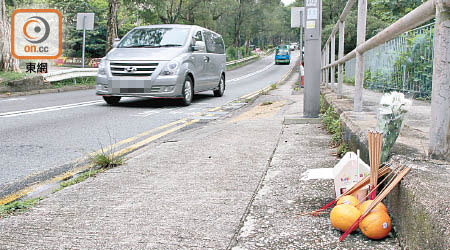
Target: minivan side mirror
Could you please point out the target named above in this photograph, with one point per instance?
(116, 42)
(198, 46)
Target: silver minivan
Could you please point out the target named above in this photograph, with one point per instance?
(163, 61)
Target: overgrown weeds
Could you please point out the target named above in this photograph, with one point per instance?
(266, 103)
(77, 81)
(332, 122)
(18, 206)
(107, 160)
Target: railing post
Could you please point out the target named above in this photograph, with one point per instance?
(322, 75)
(340, 55)
(359, 71)
(440, 97)
(327, 61)
(333, 54)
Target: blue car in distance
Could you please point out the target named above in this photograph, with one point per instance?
(282, 54)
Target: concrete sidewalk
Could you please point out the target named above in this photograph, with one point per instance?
(235, 183)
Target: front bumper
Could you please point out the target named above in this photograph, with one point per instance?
(154, 86)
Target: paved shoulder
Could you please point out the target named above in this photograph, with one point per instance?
(189, 191)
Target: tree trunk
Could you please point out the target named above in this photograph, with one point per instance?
(247, 43)
(7, 62)
(112, 23)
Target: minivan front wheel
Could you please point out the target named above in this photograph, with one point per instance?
(188, 91)
(221, 88)
(112, 100)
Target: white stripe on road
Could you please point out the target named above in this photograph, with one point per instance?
(251, 74)
(48, 109)
(13, 99)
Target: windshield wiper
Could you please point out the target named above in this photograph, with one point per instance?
(139, 46)
(153, 46)
(168, 45)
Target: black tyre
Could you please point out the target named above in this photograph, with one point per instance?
(112, 100)
(221, 88)
(188, 91)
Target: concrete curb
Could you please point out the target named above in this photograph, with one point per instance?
(419, 205)
(301, 120)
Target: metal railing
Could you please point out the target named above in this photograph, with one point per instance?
(440, 93)
(403, 64)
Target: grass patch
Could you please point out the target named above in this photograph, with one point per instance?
(332, 122)
(77, 81)
(266, 103)
(107, 160)
(100, 161)
(6, 76)
(273, 86)
(80, 178)
(18, 206)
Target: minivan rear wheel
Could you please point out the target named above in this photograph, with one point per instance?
(221, 88)
(112, 100)
(188, 91)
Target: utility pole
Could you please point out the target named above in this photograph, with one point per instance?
(313, 28)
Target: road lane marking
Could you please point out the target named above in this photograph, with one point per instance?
(134, 138)
(13, 99)
(48, 109)
(253, 94)
(21, 193)
(154, 137)
(251, 74)
(146, 113)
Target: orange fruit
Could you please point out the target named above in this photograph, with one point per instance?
(379, 207)
(343, 216)
(376, 225)
(348, 199)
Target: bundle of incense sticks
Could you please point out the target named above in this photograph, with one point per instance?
(375, 146)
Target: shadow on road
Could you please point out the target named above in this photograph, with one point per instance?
(160, 103)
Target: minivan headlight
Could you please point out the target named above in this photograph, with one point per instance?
(171, 68)
(102, 67)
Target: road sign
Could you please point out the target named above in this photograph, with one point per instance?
(85, 21)
(296, 19)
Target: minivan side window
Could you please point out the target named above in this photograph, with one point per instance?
(214, 43)
(220, 46)
(198, 36)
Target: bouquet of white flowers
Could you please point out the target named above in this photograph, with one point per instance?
(392, 110)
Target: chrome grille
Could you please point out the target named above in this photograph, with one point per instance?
(132, 68)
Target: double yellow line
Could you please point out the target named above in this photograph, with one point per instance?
(180, 124)
(173, 127)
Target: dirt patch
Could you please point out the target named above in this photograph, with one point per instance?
(261, 111)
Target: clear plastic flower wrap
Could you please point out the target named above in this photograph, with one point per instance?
(390, 115)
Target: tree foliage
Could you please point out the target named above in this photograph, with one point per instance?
(242, 23)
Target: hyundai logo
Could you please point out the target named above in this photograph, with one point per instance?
(130, 69)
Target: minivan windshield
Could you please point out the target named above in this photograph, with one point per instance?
(282, 52)
(155, 38)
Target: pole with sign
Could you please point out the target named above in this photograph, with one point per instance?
(85, 21)
(297, 14)
(313, 29)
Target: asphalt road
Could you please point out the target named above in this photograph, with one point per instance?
(43, 135)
